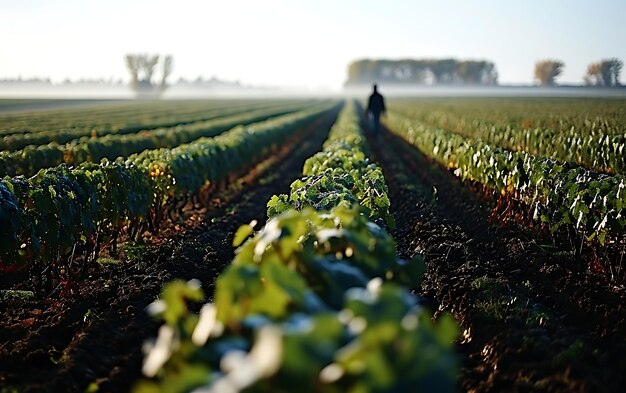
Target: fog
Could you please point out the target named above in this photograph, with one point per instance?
(289, 44)
(108, 92)
(490, 91)
(105, 91)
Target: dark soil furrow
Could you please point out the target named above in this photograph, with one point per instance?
(519, 331)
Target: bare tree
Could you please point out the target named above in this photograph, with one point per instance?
(546, 71)
(604, 73)
(168, 64)
(149, 66)
(142, 69)
(611, 69)
(132, 63)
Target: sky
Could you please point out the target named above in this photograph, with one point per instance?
(303, 43)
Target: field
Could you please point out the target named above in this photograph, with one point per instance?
(474, 244)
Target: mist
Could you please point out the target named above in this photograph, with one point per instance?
(301, 46)
(123, 92)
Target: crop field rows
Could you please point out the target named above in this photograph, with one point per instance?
(125, 141)
(474, 245)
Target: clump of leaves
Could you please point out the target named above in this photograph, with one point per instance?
(134, 251)
(304, 300)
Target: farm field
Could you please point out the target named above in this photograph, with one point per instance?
(474, 244)
(15, 105)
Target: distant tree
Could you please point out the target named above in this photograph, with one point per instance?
(546, 71)
(148, 65)
(475, 72)
(593, 77)
(604, 73)
(168, 65)
(422, 71)
(142, 68)
(133, 65)
(490, 74)
(444, 70)
(469, 72)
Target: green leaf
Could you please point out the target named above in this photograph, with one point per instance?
(242, 234)
(175, 296)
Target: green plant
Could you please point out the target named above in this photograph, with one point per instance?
(61, 210)
(294, 307)
(341, 172)
(304, 306)
(559, 194)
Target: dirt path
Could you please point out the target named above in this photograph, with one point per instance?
(98, 337)
(531, 320)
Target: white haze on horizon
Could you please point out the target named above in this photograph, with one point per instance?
(302, 44)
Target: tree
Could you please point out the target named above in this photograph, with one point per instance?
(132, 63)
(593, 77)
(546, 71)
(604, 73)
(142, 68)
(168, 64)
(422, 71)
(490, 74)
(444, 70)
(149, 64)
(475, 72)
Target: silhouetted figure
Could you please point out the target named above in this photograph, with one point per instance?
(376, 107)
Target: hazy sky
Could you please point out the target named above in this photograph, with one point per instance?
(304, 43)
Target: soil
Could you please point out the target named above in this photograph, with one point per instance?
(95, 337)
(532, 318)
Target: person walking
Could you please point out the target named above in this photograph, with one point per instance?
(375, 108)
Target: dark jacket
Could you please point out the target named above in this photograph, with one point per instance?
(376, 104)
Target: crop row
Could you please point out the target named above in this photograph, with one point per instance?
(14, 123)
(98, 120)
(33, 158)
(341, 172)
(21, 129)
(597, 149)
(61, 211)
(586, 116)
(559, 194)
(304, 307)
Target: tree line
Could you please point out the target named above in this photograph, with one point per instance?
(423, 71)
(605, 72)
